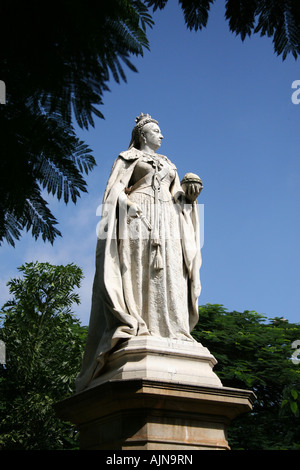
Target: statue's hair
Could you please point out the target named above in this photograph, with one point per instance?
(141, 120)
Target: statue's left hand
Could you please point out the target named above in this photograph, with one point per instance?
(192, 191)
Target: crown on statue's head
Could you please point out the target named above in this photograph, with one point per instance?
(143, 119)
(142, 116)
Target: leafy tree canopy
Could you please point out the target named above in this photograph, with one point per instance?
(56, 60)
(277, 19)
(44, 346)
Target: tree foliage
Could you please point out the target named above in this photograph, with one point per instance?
(255, 354)
(44, 345)
(277, 19)
(56, 61)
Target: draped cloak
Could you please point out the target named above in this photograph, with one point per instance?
(113, 317)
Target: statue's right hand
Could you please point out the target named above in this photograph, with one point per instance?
(134, 210)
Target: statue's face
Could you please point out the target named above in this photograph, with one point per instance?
(152, 135)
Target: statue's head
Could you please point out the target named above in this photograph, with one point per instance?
(144, 125)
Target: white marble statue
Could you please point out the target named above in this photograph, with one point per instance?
(148, 252)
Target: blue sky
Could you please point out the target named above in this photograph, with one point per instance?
(225, 110)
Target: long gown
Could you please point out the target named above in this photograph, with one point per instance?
(147, 268)
(155, 290)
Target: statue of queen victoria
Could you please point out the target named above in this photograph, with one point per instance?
(148, 252)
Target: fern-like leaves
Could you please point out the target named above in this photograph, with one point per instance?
(278, 19)
(46, 156)
(58, 67)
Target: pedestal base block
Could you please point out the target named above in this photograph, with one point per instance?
(160, 359)
(156, 394)
(143, 414)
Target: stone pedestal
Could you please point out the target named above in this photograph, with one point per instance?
(161, 359)
(156, 395)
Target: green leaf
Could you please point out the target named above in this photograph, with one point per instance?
(294, 394)
(294, 407)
